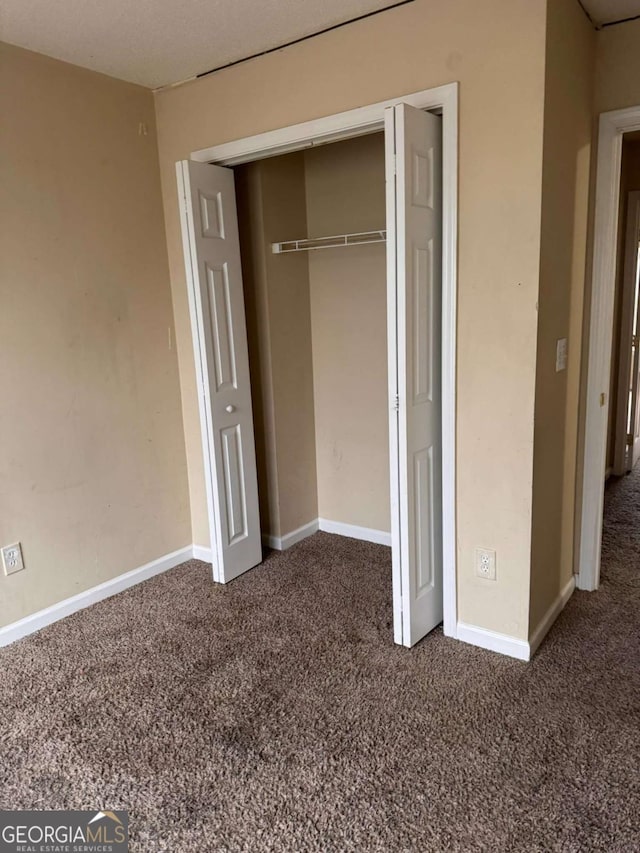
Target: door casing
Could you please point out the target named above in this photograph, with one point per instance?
(592, 465)
(358, 122)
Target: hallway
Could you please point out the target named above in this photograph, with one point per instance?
(621, 533)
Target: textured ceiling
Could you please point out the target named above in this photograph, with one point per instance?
(608, 11)
(156, 42)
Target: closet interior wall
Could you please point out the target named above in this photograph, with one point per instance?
(271, 200)
(316, 325)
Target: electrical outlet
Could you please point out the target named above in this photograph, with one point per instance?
(12, 561)
(486, 564)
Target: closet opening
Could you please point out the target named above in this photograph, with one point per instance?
(311, 227)
(327, 379)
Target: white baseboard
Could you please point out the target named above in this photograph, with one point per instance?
(511, 646)
(201, 552)
(36, 621)
(552, 614)
(366, 534)
(493, 641)
(281, 543)
(472, 634)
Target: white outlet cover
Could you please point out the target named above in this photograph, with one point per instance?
(486, 564)
(12, 561)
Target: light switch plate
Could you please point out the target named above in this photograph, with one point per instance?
(562, 350)
(12, 561)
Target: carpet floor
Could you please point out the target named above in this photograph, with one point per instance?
(277, 715)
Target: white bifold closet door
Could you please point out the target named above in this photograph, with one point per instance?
(216, 300)
(414, 285)
(413, 141)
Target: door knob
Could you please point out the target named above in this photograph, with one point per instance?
(230, 408)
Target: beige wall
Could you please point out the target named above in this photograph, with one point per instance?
(496, 51)
(345, 185)
(617, 82)
(92, 475)
(570, 52)
(271, 207)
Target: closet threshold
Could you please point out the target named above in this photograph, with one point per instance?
(307, 244)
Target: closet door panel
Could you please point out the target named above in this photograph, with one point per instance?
(414, 207)
(214, 278)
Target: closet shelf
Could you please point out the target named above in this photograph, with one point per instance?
(329, 242)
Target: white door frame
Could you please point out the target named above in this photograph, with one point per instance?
(357, 122)
(611, 128)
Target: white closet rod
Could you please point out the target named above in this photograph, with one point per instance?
(329, 242)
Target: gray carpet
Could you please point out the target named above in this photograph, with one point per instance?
(277, 715)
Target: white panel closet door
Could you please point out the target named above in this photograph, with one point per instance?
(216, 299)
(414, 227)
